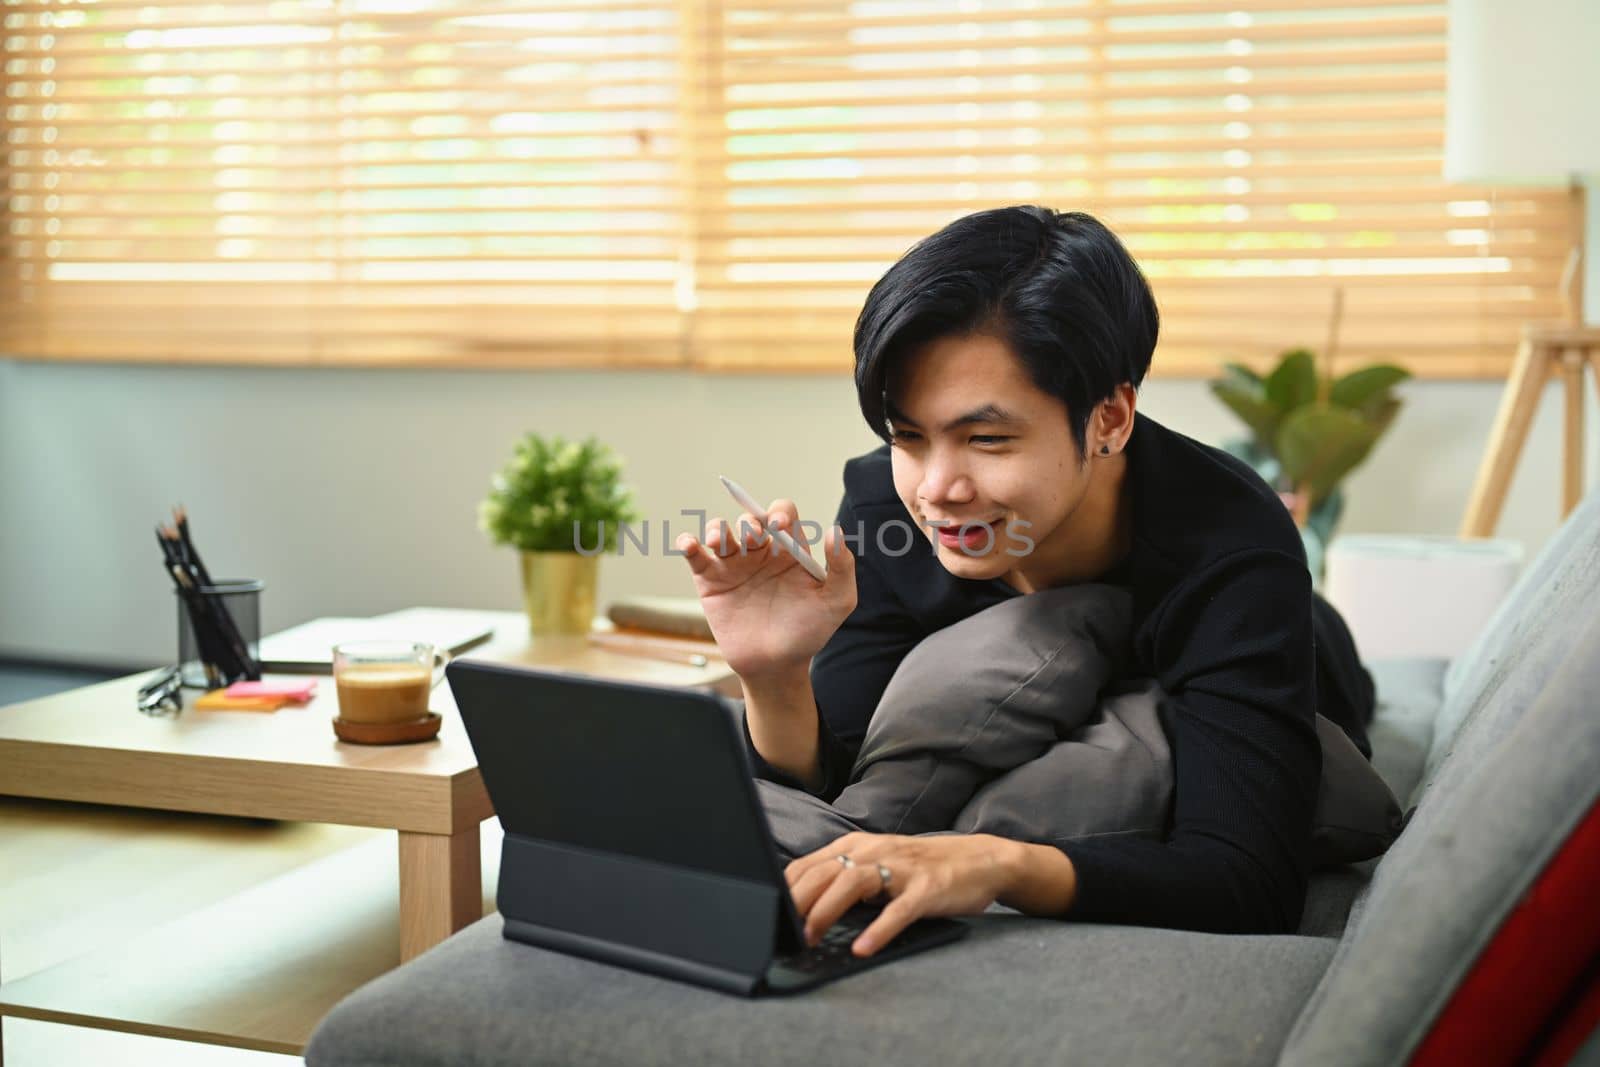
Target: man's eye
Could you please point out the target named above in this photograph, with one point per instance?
(902, 435)
(988, 439)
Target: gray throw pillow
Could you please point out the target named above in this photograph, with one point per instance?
(1357, 816)
(1014, 721)
(987, 696)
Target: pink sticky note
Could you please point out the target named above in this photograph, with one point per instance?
(291, 689)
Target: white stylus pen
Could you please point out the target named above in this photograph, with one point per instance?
(748, 502)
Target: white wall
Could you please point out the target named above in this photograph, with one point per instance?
(355, 492)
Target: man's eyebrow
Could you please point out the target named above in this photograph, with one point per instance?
(986, 413)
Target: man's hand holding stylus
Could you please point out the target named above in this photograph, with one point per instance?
(768, 615)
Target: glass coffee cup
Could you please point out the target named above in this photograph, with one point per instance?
(386, 682)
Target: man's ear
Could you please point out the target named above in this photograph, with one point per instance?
(1113, 419)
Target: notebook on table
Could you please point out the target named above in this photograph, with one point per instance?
(308, 648)
(634, 836)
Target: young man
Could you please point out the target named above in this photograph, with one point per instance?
(1000, 358)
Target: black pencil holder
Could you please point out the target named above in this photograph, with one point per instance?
(241, 597)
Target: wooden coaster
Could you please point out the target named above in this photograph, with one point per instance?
(388, 733)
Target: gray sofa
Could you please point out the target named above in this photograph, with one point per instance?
(1497, 751)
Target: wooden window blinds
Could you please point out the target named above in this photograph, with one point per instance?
(716, 183)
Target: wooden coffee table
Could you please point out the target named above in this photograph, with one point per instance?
(92, 745)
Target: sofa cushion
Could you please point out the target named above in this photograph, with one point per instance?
(1410, 693)
(1519, 646)
(1018, 990)
(1330, 895)
(1511, 791)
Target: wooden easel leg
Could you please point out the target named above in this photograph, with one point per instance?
(1594, 370)
(1572, 362)
(1517, 406)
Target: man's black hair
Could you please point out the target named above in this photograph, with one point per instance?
(1056, 286)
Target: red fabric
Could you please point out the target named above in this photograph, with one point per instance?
(1575, 1025)
(1523, 977)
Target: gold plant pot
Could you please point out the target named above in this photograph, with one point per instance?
(558, 589)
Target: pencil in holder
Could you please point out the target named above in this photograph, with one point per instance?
(210, 642)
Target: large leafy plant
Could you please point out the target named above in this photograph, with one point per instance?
(1314, 428)
(550, 484)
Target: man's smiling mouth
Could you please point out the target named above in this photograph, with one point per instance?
(968, 535)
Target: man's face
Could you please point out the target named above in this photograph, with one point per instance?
(976, 442)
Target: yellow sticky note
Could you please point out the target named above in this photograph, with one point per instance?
(218, 700)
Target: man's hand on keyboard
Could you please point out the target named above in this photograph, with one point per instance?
(958, 874)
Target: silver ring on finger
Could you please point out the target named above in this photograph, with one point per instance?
(845, 861)
(885, 875)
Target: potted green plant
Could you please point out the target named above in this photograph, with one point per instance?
(560, 504)
(1310, 429)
